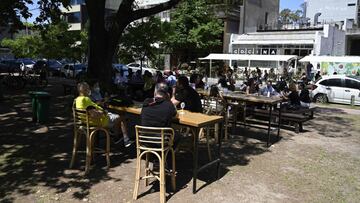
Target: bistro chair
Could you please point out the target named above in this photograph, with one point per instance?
(159, 142)
(215, 104)
(83, 126)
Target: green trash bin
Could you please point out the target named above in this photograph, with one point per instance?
(40, 102)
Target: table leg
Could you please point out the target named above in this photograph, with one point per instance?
(235, 110)
(219, 151)
(244, 115)
(195, 157)
(278, 133)
(269, 127)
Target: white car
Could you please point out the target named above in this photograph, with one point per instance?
(336, 89)
(136, 66)
(68, 70)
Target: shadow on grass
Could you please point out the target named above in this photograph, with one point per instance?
(29, 157)
(33, 154)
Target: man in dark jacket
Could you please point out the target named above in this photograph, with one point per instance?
(185, 93)
(159, 111)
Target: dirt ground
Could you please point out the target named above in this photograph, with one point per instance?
(321, 164)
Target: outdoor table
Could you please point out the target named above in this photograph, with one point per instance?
(195, 121)
(271, 102)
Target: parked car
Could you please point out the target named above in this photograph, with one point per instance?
(53, 66)
(72, 70)
(121, 67)
(336, 89)
(26, 64)
(136, 66)
(9, 66)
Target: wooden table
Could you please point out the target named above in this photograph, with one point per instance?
(195, 121)
(271, 102)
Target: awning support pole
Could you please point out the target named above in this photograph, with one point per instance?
(210, 67)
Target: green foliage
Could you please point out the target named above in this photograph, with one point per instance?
(194, 28)
(49, 11)
(139, 39)
(287, 16)
(53, 42)
(23, 46)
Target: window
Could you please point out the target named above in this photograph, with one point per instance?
(324, 82)
(76, 2)
(334, 83)
(74, 17)
(352, 84)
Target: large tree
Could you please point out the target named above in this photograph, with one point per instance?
(104, 34)
(104, 30)
(195, 30)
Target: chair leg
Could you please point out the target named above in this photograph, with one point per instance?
(147, 170)
(216, 132)
(88, 154)
(226, 127)
(162, 179)
(137, 176)
(173, 172)
(207, 143)
(107, 152)
(75, 147)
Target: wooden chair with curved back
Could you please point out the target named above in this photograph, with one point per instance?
(83, 126)
(158, 142)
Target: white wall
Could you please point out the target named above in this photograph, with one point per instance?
(331, 10)
(332, 42)
(255, 14)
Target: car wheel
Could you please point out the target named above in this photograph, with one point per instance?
(321, 98)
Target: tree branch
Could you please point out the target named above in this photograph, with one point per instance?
(141, 13)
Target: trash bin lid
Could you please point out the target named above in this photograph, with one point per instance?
(39, 94)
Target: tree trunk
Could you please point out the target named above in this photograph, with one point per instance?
(102, 43)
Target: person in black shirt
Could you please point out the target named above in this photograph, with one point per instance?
(293, 96)
(304, 96)
(185, 93)
(159, 111)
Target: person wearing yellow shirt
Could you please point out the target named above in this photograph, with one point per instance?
(100, 117)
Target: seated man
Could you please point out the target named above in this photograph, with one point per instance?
(159, 111)
(185, 93)
(268, 90)
(304, 96)
(100, 117)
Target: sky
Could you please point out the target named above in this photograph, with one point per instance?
(291, 4)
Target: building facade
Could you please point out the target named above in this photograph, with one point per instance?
(342, 13)
(317, 41)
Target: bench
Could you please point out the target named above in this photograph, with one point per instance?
(298, 117)
(69, 88)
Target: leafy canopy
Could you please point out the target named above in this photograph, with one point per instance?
(194, 26)
(53, 41)
(142, 38)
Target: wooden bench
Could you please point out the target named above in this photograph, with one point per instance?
(298, 117)
(69, 88)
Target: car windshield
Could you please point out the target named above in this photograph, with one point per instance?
(27, 61)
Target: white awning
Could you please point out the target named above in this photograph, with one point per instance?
(245, 57)
(344, 59)
(269, 42)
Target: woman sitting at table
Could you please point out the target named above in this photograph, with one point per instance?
(304, 96)
(100, 117)
(185, 93)
(293, 97)
(252, 87)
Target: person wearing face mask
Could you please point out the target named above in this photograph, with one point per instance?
(100, 117)
(268, 90)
